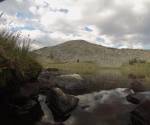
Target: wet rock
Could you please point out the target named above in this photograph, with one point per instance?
(138, 98)
(132, 99)
(141, 114)
(107, 107)
(70, 84)
(60, 103)
(116, 96)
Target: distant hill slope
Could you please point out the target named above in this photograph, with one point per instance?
(83, 51)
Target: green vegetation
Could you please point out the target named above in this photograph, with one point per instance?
(139, 69)
(81, 68)
(135, 60)
(16, 62)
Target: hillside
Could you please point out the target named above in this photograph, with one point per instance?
(83, 51)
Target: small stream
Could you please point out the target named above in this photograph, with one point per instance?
(116, 113)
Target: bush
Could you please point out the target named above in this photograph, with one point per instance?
(16, 62)
(135, 60)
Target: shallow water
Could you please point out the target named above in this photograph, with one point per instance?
(104, 114)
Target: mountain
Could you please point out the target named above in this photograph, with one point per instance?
(83, 51)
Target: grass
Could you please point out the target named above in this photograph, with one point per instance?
(80, 68)
(138, 69)
(16, 61)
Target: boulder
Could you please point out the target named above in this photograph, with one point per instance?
(19, 110)
(139, 97)
(106, 107)
(60, 104)
(115, 96)
(137, 86)
(70, 83)
(141, 114)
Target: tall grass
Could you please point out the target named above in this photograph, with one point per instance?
(16, 61)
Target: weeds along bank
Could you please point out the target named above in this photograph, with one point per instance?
(16, 62)
(138, 69)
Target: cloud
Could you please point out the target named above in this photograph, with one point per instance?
(115, 23)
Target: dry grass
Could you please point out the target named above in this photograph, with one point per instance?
(16, 59)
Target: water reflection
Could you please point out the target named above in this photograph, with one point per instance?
(114, 78)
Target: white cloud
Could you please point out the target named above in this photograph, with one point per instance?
(112, 23)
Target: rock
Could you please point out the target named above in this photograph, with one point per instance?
(75, 76)
(132, 99)
(107, 107)
(19, 110)
(137, 86)
(116, 96)
(139, 97)
(141, 114)
(46, 79)
(70, 83)
(30, 113)
(60, 103)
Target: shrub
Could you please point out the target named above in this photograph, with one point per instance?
(135, 60)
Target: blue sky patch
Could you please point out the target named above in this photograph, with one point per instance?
(88, 29)
(26, 27)
(22, 15)
(99, 39)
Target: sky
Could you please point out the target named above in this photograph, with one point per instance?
(111, 23)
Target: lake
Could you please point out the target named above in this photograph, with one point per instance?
(106, 79)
